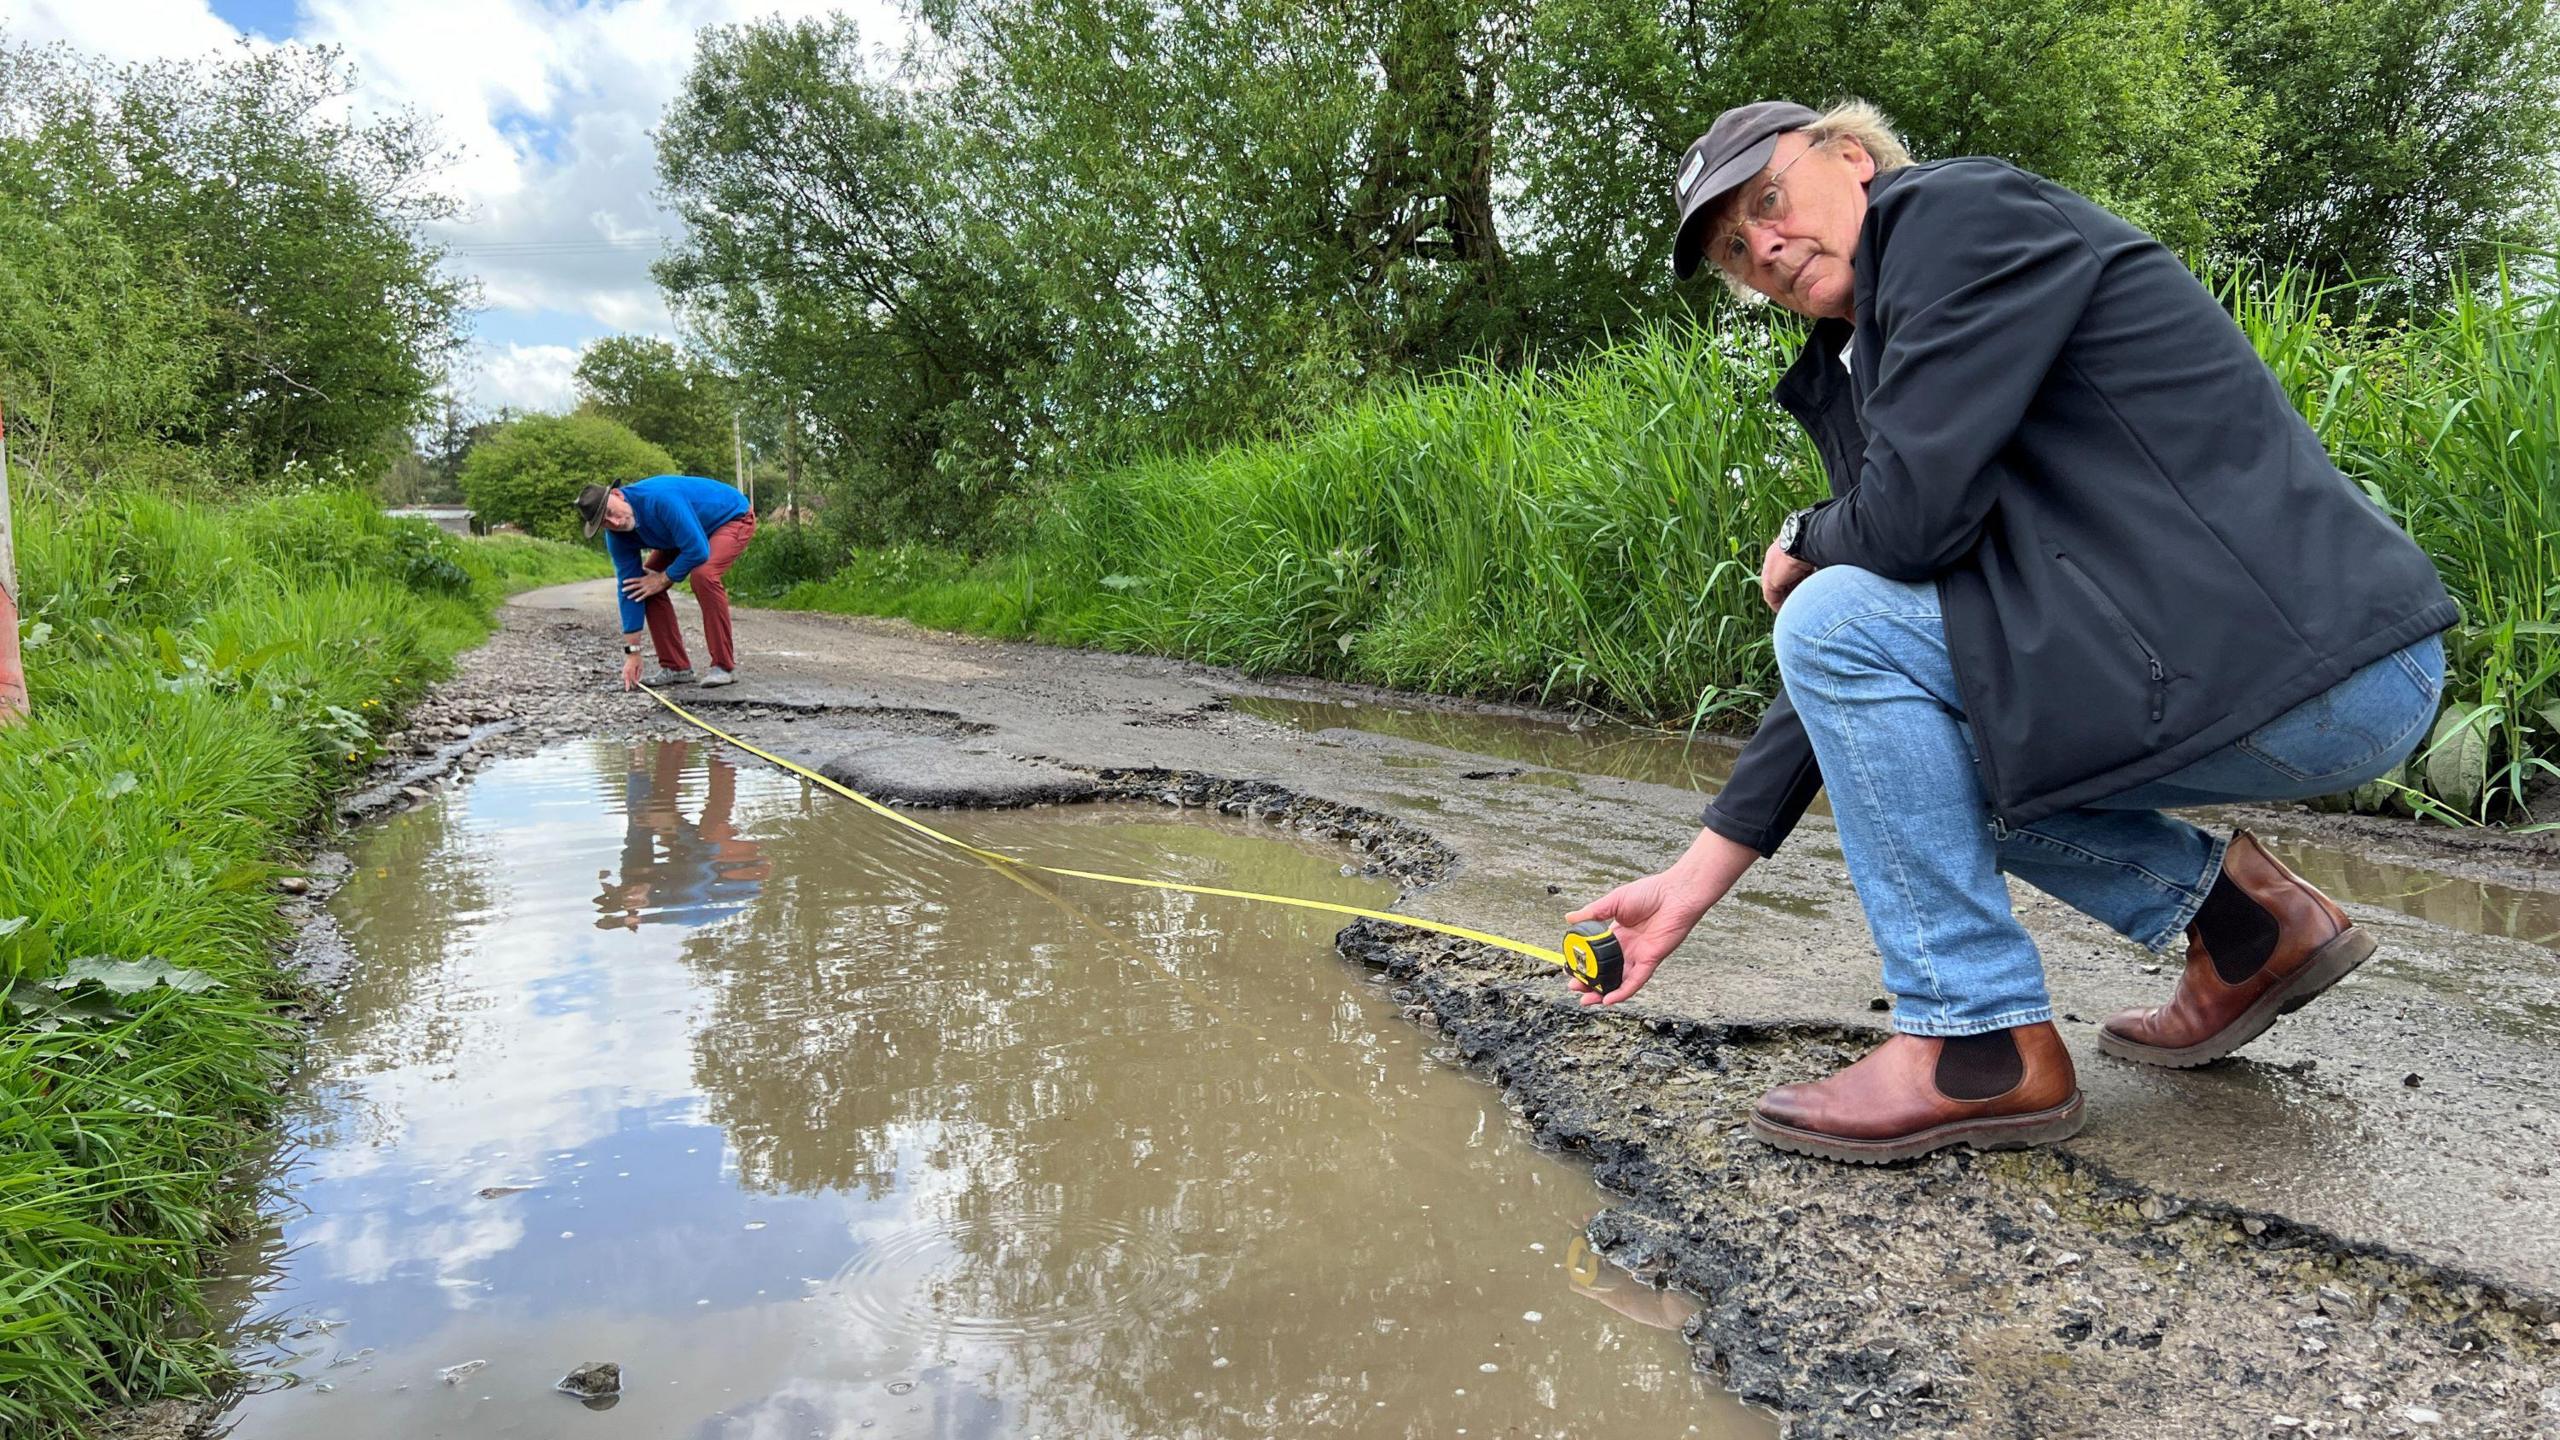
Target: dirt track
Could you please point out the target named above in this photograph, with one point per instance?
(2354, 1229)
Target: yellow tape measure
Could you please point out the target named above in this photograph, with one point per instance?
(1590, 949)
(1591, 952)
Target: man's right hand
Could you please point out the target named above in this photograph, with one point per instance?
(1654, 914)
(630, 672)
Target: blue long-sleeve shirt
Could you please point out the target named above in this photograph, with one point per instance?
(668, 512)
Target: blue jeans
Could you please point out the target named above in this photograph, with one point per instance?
(1865, 661)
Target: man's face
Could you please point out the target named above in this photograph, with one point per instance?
(1801, 258)
(617, 512)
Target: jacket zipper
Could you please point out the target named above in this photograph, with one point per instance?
(2159, 673)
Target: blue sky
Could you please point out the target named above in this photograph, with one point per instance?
(549, 104)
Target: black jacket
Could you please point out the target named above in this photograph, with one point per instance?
(2141, 550)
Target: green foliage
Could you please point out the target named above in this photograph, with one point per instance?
(260, 291)
(785, 555)
(836, 255)
(101, 361)
(2405, 139)
(671, 399)
(528, 472)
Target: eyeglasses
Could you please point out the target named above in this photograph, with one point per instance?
(1731, 249)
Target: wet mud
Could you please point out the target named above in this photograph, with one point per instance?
(2353, 1228)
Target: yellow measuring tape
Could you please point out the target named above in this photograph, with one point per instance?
(1534, 952)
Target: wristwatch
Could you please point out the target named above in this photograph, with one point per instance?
(630, 649)
(1791, 530)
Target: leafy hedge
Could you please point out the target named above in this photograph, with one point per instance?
(529, 472)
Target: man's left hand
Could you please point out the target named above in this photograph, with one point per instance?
(1780, 574)
(646, 584)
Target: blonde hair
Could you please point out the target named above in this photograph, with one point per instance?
(1848, 120)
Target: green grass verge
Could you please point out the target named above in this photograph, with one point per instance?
(203, 678)
(1594, 533)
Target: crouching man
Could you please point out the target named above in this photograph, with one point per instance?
(659, 531)
(2083, 564)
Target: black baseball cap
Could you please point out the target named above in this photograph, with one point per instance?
(591, 507)
(1734, 149)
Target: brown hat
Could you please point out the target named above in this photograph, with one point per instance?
(591, 507)
(1734, 149)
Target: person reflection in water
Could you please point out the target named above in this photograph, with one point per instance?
(676, 872)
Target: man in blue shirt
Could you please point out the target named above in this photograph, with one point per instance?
(659, 531)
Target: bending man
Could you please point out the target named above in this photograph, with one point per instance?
(661, 530)
(2082, 562)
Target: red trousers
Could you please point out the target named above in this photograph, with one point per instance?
(727, 543)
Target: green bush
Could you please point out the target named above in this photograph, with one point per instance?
(203, 678)
(529, 472)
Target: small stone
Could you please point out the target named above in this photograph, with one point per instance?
(596, 1377)
(293, 885)
(2337, 1301)
(413, 792)
(2153, 1210)
(1911, 1384)
(2354, 1401)
(2410, 1080)
(2286, 1422)
(1555, 889)
(2254, 1225)
(1880, 1003)
(2421, 1415)
(2150, 969)
(455, 1374)
(2067, 1259)
(2314, 1346)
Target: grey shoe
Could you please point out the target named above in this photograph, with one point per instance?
(717, 676)
(662, 677)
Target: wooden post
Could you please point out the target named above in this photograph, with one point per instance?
(13, 672)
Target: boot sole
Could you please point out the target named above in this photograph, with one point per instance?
(1998, 1132)
(2328, 965)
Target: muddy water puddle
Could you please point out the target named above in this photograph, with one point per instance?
(1625, 752)
(817, 1129)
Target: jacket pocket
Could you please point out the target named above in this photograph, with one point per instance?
(2115, 615)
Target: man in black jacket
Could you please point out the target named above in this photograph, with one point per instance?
(2082, 562)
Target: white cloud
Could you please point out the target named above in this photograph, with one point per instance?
(521, 377)
(550, 107)
(125, 30)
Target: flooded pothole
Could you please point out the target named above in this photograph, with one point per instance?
(815, 1128)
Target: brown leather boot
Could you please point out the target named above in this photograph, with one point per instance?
(1918, 1093)
(2220, 1007)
